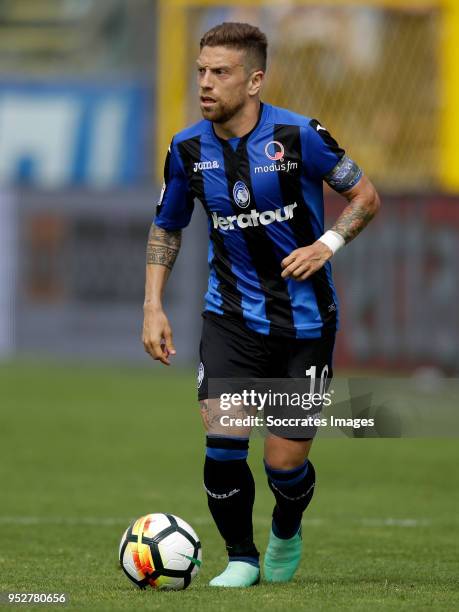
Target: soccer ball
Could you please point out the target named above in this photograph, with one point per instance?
(160, 550)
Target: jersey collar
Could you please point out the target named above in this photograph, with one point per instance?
(261, 118)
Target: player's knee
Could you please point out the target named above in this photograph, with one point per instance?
(286, 454)
(283, 463)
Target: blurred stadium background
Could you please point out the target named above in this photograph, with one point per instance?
(90, 95)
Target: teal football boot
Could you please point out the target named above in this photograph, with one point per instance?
(282, 557)
(237, 574)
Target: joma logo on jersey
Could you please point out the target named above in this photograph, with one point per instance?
(205, 165)
(254, 218)
(280, 167)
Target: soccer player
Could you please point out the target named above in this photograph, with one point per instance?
(270, 309)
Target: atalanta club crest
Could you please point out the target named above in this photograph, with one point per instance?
(241, 194)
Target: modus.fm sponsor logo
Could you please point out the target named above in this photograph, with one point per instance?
(275, 151)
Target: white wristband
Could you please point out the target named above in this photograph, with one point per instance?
(333, 240)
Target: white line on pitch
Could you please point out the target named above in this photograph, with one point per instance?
(393, 522)
(202, 520)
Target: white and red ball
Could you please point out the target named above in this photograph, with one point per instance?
(161, 551)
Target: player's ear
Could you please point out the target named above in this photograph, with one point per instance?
(255, 82)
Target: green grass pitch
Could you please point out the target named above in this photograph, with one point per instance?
(86, 449)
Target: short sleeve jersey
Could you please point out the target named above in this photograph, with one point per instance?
(263, 195)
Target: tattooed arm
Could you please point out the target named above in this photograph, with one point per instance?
(363, 204)
(162, 250)
(163, 246)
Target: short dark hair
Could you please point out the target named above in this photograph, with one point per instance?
(241, 36)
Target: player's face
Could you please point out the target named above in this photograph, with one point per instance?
(225, 83)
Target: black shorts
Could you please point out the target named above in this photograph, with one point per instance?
(229, 349)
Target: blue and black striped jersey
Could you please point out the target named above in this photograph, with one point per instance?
(263, 195)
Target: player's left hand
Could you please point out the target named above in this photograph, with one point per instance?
(303, 262)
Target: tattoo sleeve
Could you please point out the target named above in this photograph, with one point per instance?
(163, 246)
(353, 219)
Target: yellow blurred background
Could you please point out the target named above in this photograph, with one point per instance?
(91, 92)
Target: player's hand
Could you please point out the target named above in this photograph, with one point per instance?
(303, 262)
(157, 334)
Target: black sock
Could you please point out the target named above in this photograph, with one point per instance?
(230, 495)
(293, 490)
